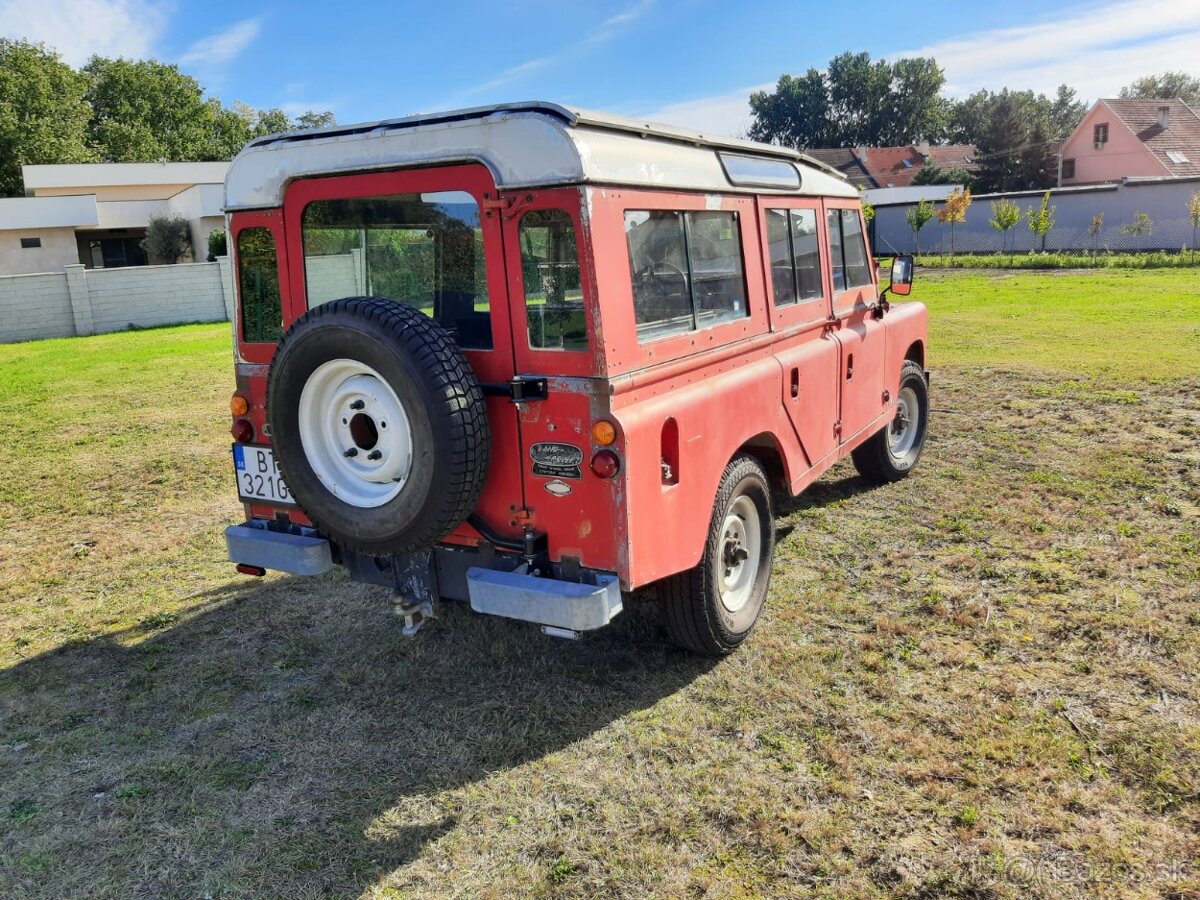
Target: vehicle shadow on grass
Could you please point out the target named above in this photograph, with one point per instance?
(284, 738)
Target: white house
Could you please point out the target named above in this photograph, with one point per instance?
(96, 213)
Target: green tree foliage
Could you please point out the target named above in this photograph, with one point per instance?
(1193, 215)
(918, 217)
(1014, 134)
(168, 239)
(218, 244)
(1141, 224)
(1041, 219)
(1168, 85)
(855, 102)
(1005, 216)
(932, 173)
(43, 114)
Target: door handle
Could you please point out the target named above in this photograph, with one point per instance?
(795, 383)
(849, 366)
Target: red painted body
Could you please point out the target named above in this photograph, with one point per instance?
(799, 386)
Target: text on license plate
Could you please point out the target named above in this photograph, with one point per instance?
(258, 477)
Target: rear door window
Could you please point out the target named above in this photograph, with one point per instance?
(554, 311)
(425, 250)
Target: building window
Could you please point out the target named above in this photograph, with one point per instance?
(1100, 135)
(686, 270)
(30, 243)
(550, 272)
(1177, 157)
(1068, 168)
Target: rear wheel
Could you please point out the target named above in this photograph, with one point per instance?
(890, 453)
(713, 607)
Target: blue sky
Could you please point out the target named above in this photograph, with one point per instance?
(689, 62)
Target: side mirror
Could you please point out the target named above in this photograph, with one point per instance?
(902, 276)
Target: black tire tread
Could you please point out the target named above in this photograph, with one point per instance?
(872, 458)
(689, 619)
(434, 350)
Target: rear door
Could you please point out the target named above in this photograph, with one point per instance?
(431, 238)
(555, 317)
(859, 334)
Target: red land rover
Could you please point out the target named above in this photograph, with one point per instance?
(533, 357)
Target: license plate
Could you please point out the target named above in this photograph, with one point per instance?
(258, 478)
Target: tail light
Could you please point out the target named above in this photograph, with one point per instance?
(606, 464)
(242, 431)
(239, 405)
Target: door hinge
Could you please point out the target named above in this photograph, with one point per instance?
(521, 389)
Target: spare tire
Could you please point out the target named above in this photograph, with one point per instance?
(378, 424)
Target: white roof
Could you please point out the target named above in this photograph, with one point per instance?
(526, 145)
(71, 211)
(90, 175)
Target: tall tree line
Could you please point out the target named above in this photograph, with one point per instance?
(116, 110)
(857, 101)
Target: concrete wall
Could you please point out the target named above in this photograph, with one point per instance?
(34, 307)
(58, 249)
(333, 277)
(83, 301)
(1164, 200)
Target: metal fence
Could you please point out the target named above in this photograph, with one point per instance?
(1165, 201)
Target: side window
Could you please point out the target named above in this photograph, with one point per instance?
(834, 220)
(686, 270)
(848, 250)
(258, 286)
(425, 250)
(783, 273)
(550, 273)
(795, 257)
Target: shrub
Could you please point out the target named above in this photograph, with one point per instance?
(918, 217)
(1005, 216)
(1064, 260)
(168, 238)
(217, 245)
(1041, 219)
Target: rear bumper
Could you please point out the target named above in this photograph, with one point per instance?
(573, 605)
(254, 544)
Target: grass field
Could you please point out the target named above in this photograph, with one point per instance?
(980, 682)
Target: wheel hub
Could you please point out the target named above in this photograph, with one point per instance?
(355, 432)
(902, 434)
(741, 549)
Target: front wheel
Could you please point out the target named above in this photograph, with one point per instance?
(713, 607)
(890, 453)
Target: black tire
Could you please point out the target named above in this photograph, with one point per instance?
(875, 458)
(696, 617)
(428, 374)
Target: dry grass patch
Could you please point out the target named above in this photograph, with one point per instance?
(979, 682)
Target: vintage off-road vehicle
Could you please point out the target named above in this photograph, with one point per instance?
(533, 357)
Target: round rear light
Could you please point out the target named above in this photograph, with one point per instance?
(604, 433)
(239, 405)
(242, 431)
(606, 464)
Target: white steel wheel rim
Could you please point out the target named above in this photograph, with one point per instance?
(355, 433)
(740, 554)
(906, 424)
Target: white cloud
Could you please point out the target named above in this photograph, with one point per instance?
(1095, 48)
(219, 48)
(630, 15)
(80, 28)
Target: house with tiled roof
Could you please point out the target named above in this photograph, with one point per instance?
(889, 167)
(1121, 139)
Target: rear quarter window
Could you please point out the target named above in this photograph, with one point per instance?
(258, 286)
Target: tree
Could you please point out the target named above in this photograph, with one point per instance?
(43, 114)
(218, 244)
(855, 102)
(918, 217)
(932, 173)
(868, 209)
(1168, 85)
(1194, 218)
(954, 211)
(1140, 225)
(1005, 216)
(313, 119)
(1094, 227)
(1041, 219)
(168, 238)
(1066, 112)
(147, 110)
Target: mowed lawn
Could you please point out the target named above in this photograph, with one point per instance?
(979, 682)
